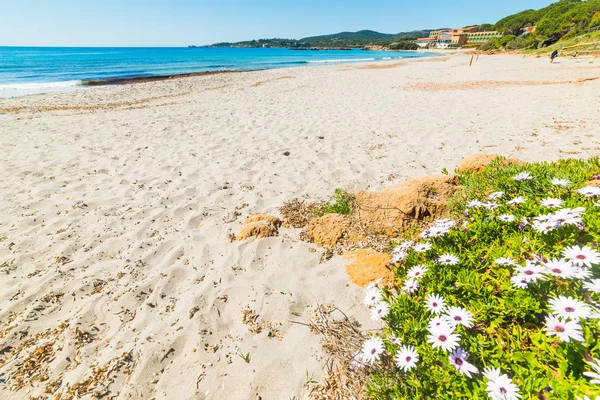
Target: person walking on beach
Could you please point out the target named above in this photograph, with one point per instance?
(553, 56)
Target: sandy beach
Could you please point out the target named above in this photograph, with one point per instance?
(118, 203)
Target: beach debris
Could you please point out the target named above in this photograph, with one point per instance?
(286, 153)
(478, 162)
(295, 213)
(369, 266)
(259, 225)
(327, 230)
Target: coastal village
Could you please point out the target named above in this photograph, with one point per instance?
(471, 36)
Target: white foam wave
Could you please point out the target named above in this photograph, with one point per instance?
(25, 89)
(343, 60)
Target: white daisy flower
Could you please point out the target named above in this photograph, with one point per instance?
(372, 350)
(410, 286)
(564, 330)
(560, 182)
(474, 204)
(593, 285)
(581, 272)
(581, 255)
(380, 311)
(519, 281)
(437, 231)
(531, 271)
(552, 203)
(544, 226)
(523, 176)
(495, 195)
(590, 191)
(443, 336)
(516, 201)
(372, 297)
(596, 374)
(435, 303)
(491, 373)
(491, 206)
(393, 339)
(422, 247)
(568, 307)
(458, 358)
(406, 358)
(398, 254)
(502, 388)
(460, 316)
(417, 272)
(449, 259)
(505, 261)
(560, 268)
(506, 218)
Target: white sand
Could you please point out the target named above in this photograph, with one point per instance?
(140, 199)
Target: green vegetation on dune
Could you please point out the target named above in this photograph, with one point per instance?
(502, 301)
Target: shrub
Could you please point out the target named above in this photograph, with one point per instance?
(403, 45)
(483, 268)
(339, 203)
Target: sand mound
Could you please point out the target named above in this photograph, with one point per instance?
(328, 229)
(259, 225)
(400, 207)
(477, 162)
(368, 266)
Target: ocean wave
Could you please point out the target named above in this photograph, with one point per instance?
(341, 60)
(25, 89)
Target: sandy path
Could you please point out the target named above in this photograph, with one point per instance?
(118, 202)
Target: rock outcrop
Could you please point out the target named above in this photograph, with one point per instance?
(477, 162)
(400, 207)
(368, 266)
(325, 231)
(260, 226)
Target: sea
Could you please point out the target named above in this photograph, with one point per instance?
(32, 70)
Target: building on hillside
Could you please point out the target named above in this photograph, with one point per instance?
(425, 43)
(527, 30)
(477, 38)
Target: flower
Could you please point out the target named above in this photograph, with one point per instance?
(568, 307)
(449, 259)
(371, 350)
(516, 201)
(596, 374)
(406, 358)
(491, 373)
(474, 204)
(491, 205)
(552, 203)
(593, 285)
(459, 359)
(495, 195)
(443, 336)
(417, 272)
(422, 247)
(506, 218)
(410, 286)
(581, 255)
(590, 191)
(531, 271)
(372, 297)
(519, 281)
(439, 320)
(380, 311)
(459, 315)
(564, 330)
(560, 268)
(560, 182)
(502, 388)
(393, 339)
(505, 261)
(435, 303)
(523, 176)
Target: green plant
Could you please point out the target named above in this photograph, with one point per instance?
(339, 203)
(245, 357)
(476, 263)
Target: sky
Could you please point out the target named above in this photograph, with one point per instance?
(200, 22)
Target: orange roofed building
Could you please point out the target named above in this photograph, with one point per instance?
(458, 37)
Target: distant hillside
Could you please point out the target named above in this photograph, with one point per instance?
(342, 39)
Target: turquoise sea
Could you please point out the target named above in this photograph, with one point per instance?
(30, 70)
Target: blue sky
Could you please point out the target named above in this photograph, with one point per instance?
(184, 22)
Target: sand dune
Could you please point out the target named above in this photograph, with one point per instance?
(118, 203)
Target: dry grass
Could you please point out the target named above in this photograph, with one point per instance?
(296, 213)
(341, 340)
